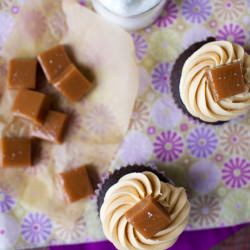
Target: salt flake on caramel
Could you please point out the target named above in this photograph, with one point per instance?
(31, 105)
(22, 73)
(16, 152)
(54, 62)
(73, 84)
(226, 81)
(53, 127)
(148, 217)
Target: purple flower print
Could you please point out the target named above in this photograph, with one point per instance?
(151, 130)
(235, 139)
(168, 16)
(204, 176)
(196, 33)
(82, 2)
(184, 127)
(229, 9)
(36, 228)
(168, 146)
(6, 201)
(165, 113)
(202, 142)
(232, 32)
(236, 172)
(161, 77)
(136, 148)
(140, 46)
(15, 9)
(205, 210)
(196, 11)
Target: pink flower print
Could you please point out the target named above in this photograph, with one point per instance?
(140, 115)
(184, 127)
(98, 119)
(169, 15)
(70, 232)
(205, 210)
(161, 77)
(219, 157)
(228, 9)
(151, 130)
(235, 139)
(196, 11)
(168, 146)
(236, 173)
(34, 24)
(213, 23)
(36, 228)
(140, 46)
(232, 32)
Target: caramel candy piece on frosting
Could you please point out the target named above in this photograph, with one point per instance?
(76, 184)
(72, 84)
(148, 217)
(54, 62)
(22, 73)
(31, 105)
(226, 81)
(16, 152)
(53, 127)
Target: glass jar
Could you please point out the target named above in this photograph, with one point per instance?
(132, 21)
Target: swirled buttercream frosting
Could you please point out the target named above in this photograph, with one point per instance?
(194, 87)
(128, 191)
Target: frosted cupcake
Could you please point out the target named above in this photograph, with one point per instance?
(213, 81)
(142, 210)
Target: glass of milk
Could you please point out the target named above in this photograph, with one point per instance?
(130, 14)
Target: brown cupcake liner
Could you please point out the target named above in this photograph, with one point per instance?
(110, 179)
(176, 76)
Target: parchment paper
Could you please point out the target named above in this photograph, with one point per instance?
(99, 122)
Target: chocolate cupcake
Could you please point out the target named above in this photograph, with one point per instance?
(140, 209)
(211, 81)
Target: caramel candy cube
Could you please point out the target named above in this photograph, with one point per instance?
(16, 152)
(53, 127)
(54, 62)
(148, 217)
(22, 73)
(31, 105)
(76, 184)
(226, 81)
(73, 85)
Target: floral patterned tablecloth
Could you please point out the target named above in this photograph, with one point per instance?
(212, 162)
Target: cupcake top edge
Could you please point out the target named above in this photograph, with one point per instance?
(198, 94)
(135, 188)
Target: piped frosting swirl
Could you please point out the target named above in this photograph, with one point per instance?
(194, 88)
(131, 189)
